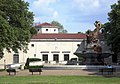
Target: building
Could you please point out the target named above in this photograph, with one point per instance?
(46, 28)
(54, 47)
(48, 45)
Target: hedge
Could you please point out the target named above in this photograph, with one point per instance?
(31, 60)
(35, 67)
(34, 59)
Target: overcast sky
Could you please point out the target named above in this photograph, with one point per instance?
(74, 15)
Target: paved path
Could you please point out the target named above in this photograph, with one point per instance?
(71, 70)
(77, 72)
(51, 72)
(58, 73)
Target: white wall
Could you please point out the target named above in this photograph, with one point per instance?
(51, 47)
(50, 30)
(8, 58)
(41, 46)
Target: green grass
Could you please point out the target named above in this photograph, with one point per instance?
(58, 80)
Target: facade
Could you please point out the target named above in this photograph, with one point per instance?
(51, 48)
(54, 48)
(46, 28)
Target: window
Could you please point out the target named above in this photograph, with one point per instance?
(54, 30)
(46, 29)
(55, 57)
(34, 55)
(16, 58)
(45, 57)
(66, 57)
(78, 45)
(32, 45)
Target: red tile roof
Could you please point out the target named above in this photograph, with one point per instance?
(45, 25)
(59, 36)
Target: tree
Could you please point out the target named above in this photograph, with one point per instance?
(16, 25)
(64, 31)
(88, 31)
(56, 23)
(112, 28)
(61, 28)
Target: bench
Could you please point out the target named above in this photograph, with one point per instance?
(11, 71)
(35, 70)
(107, 70)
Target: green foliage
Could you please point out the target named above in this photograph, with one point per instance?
(64, 31)
(34, 59)
(61, 28)
(30, 60)
(112, 28)
(56, 23)
(15, 25)
(88, 31)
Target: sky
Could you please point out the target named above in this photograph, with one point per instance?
(74, 15)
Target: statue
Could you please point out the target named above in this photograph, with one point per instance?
(93, 37)
(97, 29)
(94, 49)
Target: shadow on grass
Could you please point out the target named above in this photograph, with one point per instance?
(105, 74)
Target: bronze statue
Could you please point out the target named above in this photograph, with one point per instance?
(93, 37)
(97, 29)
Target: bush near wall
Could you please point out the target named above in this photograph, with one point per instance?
(35, 67)
(29, 67)
(34, 59)
(30, 60)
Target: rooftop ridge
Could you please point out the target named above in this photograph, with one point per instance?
(45, 24)
(58, 36)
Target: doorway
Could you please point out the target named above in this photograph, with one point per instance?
(45, 58)
(15, 58)
(56, 58)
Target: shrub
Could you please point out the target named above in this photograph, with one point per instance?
(30, 60)
(34, 59)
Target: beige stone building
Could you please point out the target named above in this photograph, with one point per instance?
(48, 45)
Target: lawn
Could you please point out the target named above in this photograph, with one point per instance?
(58, 80)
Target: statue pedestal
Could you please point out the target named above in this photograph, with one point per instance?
(93, 59)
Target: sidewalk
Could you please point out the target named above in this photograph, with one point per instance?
(58, 73)
(50, 72)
